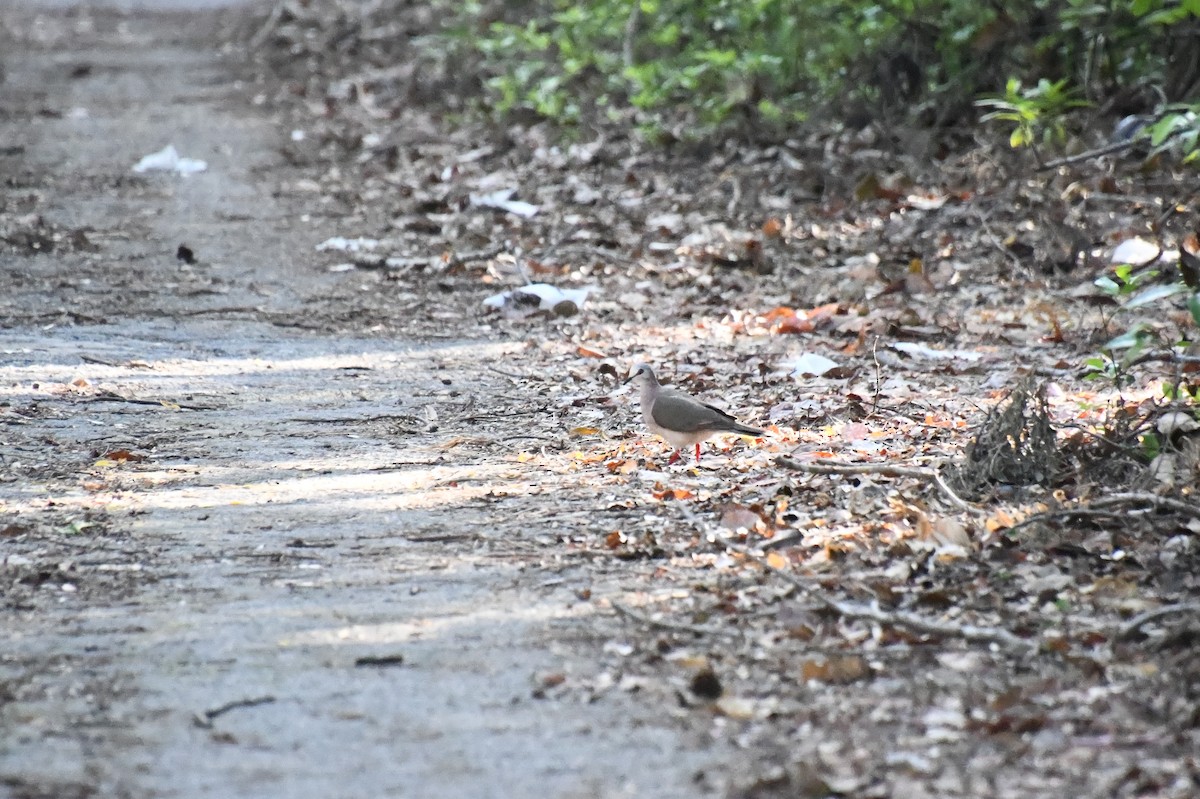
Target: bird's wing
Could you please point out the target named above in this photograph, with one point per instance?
(681, 413)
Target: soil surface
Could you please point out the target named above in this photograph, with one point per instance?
(285, 517)
(205, 505)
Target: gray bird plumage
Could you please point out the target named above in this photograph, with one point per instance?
(679, 418)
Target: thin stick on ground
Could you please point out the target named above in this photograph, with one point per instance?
(206, 718)
(1062, 513)
(169, 404)
(677, 627)
(1119, 147)
(883, 469)
(878, 376)
(1153, 500)
(1142, 619)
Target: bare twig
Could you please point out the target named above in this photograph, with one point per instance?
(379, 660)
(205, 719)
(506, 373)
(641, 618)
(1142, 619)
(1062, 513)
(444, 260)
(1111, 148)
(268, 26)
(160, 403)
(220, 310)
(119, 364)
(1119, 147)
(884, 469)
(878, 380)
(1154, 500)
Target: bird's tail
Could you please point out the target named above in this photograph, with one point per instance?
(748, 431)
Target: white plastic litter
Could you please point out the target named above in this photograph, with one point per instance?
(168, 160)
(811, 364)
(538, 297)
(343, 244)
(1135, 252)
(502, 199)
(921, 351)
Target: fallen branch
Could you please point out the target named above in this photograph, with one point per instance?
(1088, 155)
(1145, 498)
(857, 610)
(640, 618)
(1142, 619)
(910, 621)
(1117, 147)
(884, 469)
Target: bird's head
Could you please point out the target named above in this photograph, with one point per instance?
(642, 373)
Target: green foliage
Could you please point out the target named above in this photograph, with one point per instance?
(1182, 392)
(694, 65)
(705, 62)
(1178, 129)
(1134, 289)
(1036, 113)
(713, 58)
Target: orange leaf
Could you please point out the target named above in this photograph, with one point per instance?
(585, 352)
(822, 312)
(123, 455)
(779, 313)
(794, 326)
(673, 493)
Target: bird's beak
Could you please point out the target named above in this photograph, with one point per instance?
(627, 380)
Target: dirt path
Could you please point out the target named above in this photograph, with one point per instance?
(212, 521)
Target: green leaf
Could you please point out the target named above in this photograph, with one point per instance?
(1193, 305)
(1107, 285)
(1130, 338)
(1018, 138)
(1155, 293)
(1164, 127)
(1151, 446)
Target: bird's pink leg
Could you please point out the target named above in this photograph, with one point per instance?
(697, 452)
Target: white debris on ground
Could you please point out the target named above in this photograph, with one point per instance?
(503, 201)
(810, 364)
(343, 244)
(168, 160)
(536, 297)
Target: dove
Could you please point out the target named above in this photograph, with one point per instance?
(679, 418)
